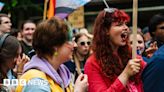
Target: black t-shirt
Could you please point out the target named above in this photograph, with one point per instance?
(26, 48)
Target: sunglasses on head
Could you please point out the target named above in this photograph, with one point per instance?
(109, 10)
(84, 43)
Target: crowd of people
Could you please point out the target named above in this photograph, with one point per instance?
(51, 57)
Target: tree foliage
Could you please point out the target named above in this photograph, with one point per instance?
(21, 10)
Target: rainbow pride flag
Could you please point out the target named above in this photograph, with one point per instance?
(62, 8)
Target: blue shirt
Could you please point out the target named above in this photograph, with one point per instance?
(153, 74)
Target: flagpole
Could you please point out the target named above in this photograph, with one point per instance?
(135, 13)
(106, 4)
(45, 9)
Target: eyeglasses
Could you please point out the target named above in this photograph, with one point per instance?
(84, 43)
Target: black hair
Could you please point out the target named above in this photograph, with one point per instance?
(154, 22)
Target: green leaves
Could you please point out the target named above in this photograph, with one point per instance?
(14, 3)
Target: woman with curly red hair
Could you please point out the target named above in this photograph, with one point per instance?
(110, 68)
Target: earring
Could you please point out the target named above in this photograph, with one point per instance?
(56, 53)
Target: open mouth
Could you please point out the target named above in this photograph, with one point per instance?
(124, 35)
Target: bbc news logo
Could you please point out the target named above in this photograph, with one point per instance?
(22, 82)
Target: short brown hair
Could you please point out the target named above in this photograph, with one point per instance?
(48, 34)
(25, 22)
(3, 15)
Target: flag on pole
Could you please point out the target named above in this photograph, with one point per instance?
(62, 8)
(1, 5)
(51, 9)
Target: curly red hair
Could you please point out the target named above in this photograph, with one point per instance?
(112, 64)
